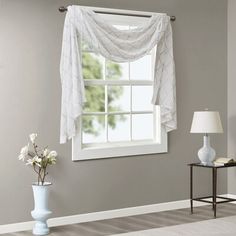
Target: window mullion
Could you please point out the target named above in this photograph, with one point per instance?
(106, 115)
(106, 101)
(119, 82)
(117, 113)
(154, 122)
(131, 105)
(81, 117)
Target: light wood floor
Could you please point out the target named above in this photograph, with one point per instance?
(140, 222)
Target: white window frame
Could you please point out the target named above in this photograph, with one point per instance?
(129, 148)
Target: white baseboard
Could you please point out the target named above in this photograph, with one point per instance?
(103, 215)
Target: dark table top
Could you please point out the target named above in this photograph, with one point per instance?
(213, 166)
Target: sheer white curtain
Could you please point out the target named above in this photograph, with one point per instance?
(119, 46)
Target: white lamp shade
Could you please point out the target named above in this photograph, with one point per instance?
(206, 122)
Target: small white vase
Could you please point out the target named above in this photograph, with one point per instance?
(41, 212)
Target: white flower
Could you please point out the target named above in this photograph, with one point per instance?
(52, 160)
(33, 137)
(37, 159)
(34, 161)
(52, 157)
(30, 161)
(24, 152)
(52, 154)
(21, 157)
(46, 152)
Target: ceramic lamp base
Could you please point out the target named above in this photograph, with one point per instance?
(206, 154)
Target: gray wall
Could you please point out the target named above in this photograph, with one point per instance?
(231, 92)
(30, 43)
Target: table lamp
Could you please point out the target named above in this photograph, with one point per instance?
(206, 122)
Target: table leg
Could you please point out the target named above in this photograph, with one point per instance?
(191, 188)
(214, 190)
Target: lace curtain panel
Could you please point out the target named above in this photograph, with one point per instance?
(118, 46)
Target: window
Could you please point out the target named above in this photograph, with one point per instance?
(118, 118)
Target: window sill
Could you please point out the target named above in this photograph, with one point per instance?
(118, 149)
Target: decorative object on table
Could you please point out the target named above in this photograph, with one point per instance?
(39, 159)
(221, 161)
(206, 122)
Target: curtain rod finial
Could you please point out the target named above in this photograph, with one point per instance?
(172, 18)
(62, 9)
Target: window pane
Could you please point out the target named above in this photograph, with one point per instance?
(141, 69)
(93, 128)
(118, 128)
(141, 98)
(117, 71)
(142, 126)
(95, 98)
(118, 98)
(93, 66)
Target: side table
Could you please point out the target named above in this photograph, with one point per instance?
(214, 196)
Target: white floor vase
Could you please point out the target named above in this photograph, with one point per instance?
(41, 212)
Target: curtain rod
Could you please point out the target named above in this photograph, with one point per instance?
(64, 9)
